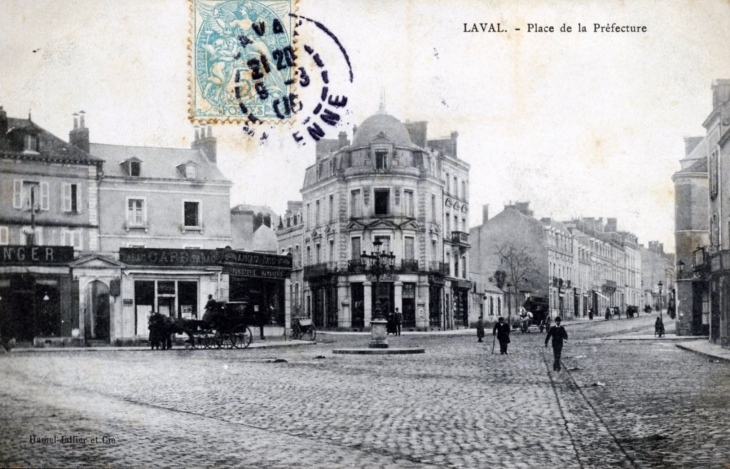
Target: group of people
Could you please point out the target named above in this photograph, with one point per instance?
(501, 333)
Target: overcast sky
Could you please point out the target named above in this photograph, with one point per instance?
(579, 124)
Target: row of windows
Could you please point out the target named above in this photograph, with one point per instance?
(454, 189)
(50, 236)
(136, 208)
(36, 196)
(457, 227)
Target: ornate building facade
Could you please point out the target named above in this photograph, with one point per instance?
(393, 187)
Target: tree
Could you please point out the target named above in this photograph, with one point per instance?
(516, 266)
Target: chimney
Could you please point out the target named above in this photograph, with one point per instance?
(720, 92)
(79, 136)
(3, 122)
(454, 136)
(485, 213)
(611, 225)
(342, 140)
(205, 142)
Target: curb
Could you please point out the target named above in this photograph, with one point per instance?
(705, 354)
(147, 349)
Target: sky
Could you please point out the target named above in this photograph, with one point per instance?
(579, 124)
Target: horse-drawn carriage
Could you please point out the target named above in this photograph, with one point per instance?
(303, 328)
(224, 325)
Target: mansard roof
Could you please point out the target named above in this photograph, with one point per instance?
(157, 163)
(50, 147)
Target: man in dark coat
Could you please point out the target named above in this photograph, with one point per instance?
(398, 321)
(480, 328)
(501, 330)
(557, 332)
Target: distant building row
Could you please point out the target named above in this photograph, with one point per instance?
(568, 268)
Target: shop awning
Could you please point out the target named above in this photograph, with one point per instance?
(602, 296)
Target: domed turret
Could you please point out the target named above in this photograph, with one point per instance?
(392, 129)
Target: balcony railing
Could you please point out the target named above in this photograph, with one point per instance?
(436, 267)
(320, 270)
(356, 266)
(409, 265)
(460, 237)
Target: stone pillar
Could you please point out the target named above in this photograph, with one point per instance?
(287, 307)
(345, 316)
(368, 302)
(398, 295)
(422, 305)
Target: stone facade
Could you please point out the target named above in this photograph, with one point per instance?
(393, 186)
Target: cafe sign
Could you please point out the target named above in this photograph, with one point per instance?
(36, 255)
(240, 263)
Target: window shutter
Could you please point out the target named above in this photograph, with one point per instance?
(66, 197)
(79, 207)
(17, 193)
(45, 197)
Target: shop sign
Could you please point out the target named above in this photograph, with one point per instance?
(32, 255)
(461, 284)
(255, 272)
(200, 257)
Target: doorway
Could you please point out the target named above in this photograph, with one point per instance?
(97, 315)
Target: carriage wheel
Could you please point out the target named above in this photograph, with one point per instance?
(206, 341)
(226, 340)
(243, 336)
(311, 333)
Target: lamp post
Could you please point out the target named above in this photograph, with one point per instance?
(378, 263)
(660, 301)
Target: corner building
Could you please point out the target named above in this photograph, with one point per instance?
(391, 185)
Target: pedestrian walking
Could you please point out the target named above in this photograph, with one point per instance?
(590, 314)
(501, 331)
(659, 327)
(480, 328)
(608, 313)
(398, 321)
(559, 335)
(390, 327)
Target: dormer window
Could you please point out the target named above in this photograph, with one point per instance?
(31, 143)
(190, 171)
(133, 167)
(381, 160)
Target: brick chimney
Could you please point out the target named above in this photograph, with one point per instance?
(3, 122)
(342, 140)
(720, 92)
(611, 225)
(485, 213)
(205, 142)
(79, 135)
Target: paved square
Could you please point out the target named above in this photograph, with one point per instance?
(623, 404)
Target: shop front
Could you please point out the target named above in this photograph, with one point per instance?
(178, 282)
(37, 301)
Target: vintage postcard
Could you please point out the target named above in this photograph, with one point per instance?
(329, 234)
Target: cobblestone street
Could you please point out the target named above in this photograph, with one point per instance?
(621, 404)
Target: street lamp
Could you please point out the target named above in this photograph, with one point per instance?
(378, 263)
(660, 300)
(680, 268)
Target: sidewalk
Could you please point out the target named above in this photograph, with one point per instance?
(707, 349)
(278, 343)
(667, 337)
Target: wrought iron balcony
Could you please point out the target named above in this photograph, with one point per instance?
(460, 238)
(436, 267)
(356, 265)
(320, 270)
(409, 265)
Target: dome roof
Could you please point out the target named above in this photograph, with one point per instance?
(393, 129)
(264, 239)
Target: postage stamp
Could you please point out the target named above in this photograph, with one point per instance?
(242, 59)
